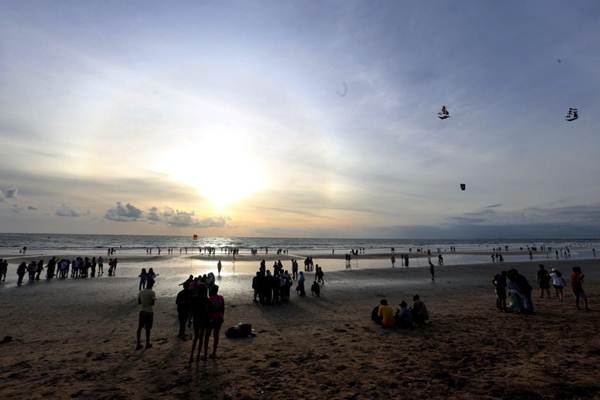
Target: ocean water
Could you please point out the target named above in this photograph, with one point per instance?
(11, 243)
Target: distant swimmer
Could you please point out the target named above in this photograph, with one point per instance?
(444, 114)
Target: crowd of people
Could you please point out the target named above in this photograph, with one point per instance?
(79, 268)
(514, 293)
(404, 317)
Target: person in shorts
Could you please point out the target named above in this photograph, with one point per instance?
(146, 299)
(216, 312)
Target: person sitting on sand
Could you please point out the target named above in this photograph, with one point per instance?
(577, 286)
(146, 299)
(404, 319)
(558, 283)
(419, 311)
(216, 312)
(143, 279)
(386, 313)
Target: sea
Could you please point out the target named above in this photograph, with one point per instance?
(12, 243)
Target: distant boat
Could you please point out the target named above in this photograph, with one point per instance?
(195, 237)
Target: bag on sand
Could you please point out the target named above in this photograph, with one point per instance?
(239, 331)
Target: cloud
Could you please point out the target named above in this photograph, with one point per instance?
(66, 211)
(10, 193)
(123, 213)
(179, 218)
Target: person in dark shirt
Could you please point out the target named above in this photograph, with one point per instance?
(543, 279)
(183, 302)
(499, 282)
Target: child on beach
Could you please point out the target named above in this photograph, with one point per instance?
(403, 316)
(558, 283)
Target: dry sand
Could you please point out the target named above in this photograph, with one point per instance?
(76, 339)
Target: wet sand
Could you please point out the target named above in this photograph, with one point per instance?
(76, 339)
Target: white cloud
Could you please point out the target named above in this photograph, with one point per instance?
(67, 211)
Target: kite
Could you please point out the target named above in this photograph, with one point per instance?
(444, 114)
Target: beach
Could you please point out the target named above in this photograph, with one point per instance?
(76, 339)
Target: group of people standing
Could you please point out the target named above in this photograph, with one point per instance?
(512, 286)
(199, 304)
(79, 267)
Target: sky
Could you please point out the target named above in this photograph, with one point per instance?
(300, 118)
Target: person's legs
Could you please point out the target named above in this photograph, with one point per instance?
(194, 341)
(216, 331)
(182, 320)
(139, 331)
(207, 332)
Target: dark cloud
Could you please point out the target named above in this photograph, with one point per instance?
(494, 205)
(66, 211)
(123, 213)
(31, 208)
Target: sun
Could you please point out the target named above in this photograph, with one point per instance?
(222, 171)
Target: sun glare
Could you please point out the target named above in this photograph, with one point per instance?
(223, 171)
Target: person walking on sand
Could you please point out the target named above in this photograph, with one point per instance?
(146, 299)
(393, 261)
(216, 312)
(219, 266)
(21, 269)
(3, 270)
(431, 270)
(499, 282)
(577, 286)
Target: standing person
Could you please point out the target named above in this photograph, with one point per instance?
(100, 266)
(431, 269)
(183, 302)
(199, 304)
(3, 270)
(406, 260)
(294, 269)
(21, 269)
(499, 282)
(146, 299)
(543, 279)
(256, 286)
(31, 269)
(558, 283)
(38, 270)
(577, 286)
(143, 279)
(219, 266)
(216, 312)
(300, 288)
(393, 261)
(151, 276)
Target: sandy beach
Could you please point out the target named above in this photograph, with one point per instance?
(76, 339)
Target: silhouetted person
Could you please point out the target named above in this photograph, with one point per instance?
(216, 313)
(183, 302)
(146, 299)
